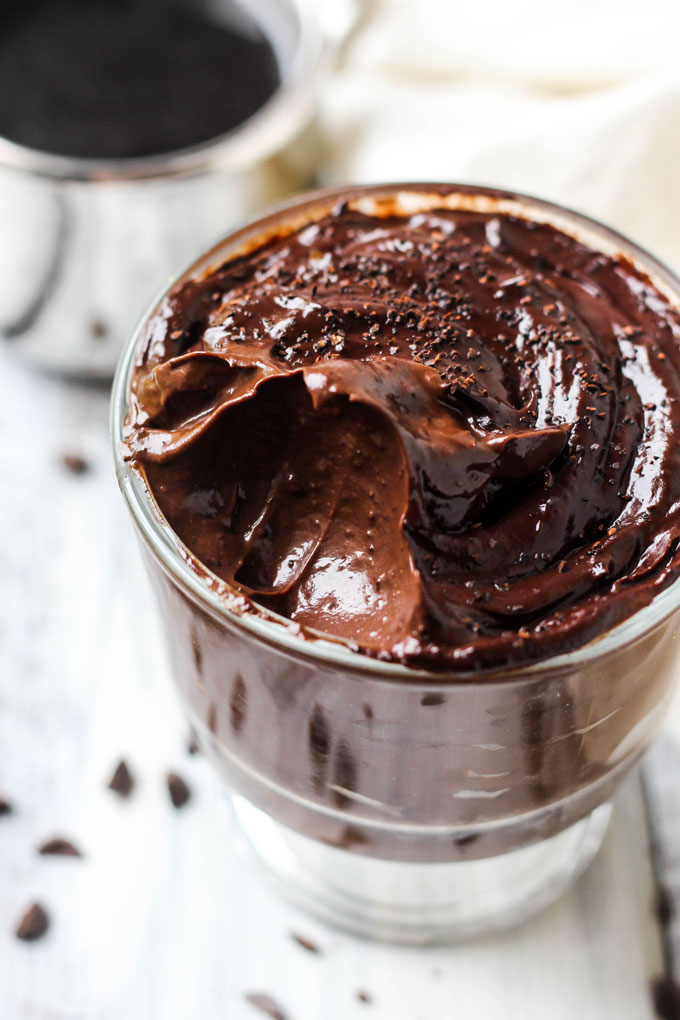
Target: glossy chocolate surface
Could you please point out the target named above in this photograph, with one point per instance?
(448, 437)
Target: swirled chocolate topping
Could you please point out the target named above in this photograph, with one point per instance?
(449, 437)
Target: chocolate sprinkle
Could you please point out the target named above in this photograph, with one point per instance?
(266, 1004)
(121, 781)
(306, 943)
(365, 998)
(59, 847)
(33, 924)
(178, 789)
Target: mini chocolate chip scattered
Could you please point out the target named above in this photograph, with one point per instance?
(121, 781)
(266, 1004)
(59, 847)
(306, 943)
(98, 329)
(5, 807)
(178, 789)
(33, 924)
(74, 463)
(364, 997)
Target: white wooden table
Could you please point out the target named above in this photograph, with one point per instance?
(162, 919)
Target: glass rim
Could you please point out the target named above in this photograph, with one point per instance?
(258, 137)
(277, 631)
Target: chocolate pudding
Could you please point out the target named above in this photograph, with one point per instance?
(447, 438)
(437, 430)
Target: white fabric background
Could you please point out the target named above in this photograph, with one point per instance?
(578, 102)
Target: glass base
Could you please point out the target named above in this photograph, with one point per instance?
(419, 904)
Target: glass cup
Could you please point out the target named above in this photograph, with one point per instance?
(394, 802)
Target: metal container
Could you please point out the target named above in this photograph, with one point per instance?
(83, 242)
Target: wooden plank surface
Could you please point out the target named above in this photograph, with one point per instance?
(162, 919)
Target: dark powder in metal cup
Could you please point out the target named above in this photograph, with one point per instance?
(114, 79)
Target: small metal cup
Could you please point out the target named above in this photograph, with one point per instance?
(83, 242)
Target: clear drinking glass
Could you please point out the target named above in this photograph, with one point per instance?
(396, 803)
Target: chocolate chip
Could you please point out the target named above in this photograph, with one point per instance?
(59, 847)
(178, 789)
(266, 1004)
(74, 463)
(121, 781)
(33, 924)
(666, 997)
(306, 943)
(365, 997)
(98, 329)
(5, 807)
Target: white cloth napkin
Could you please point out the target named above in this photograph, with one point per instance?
(577, 103)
